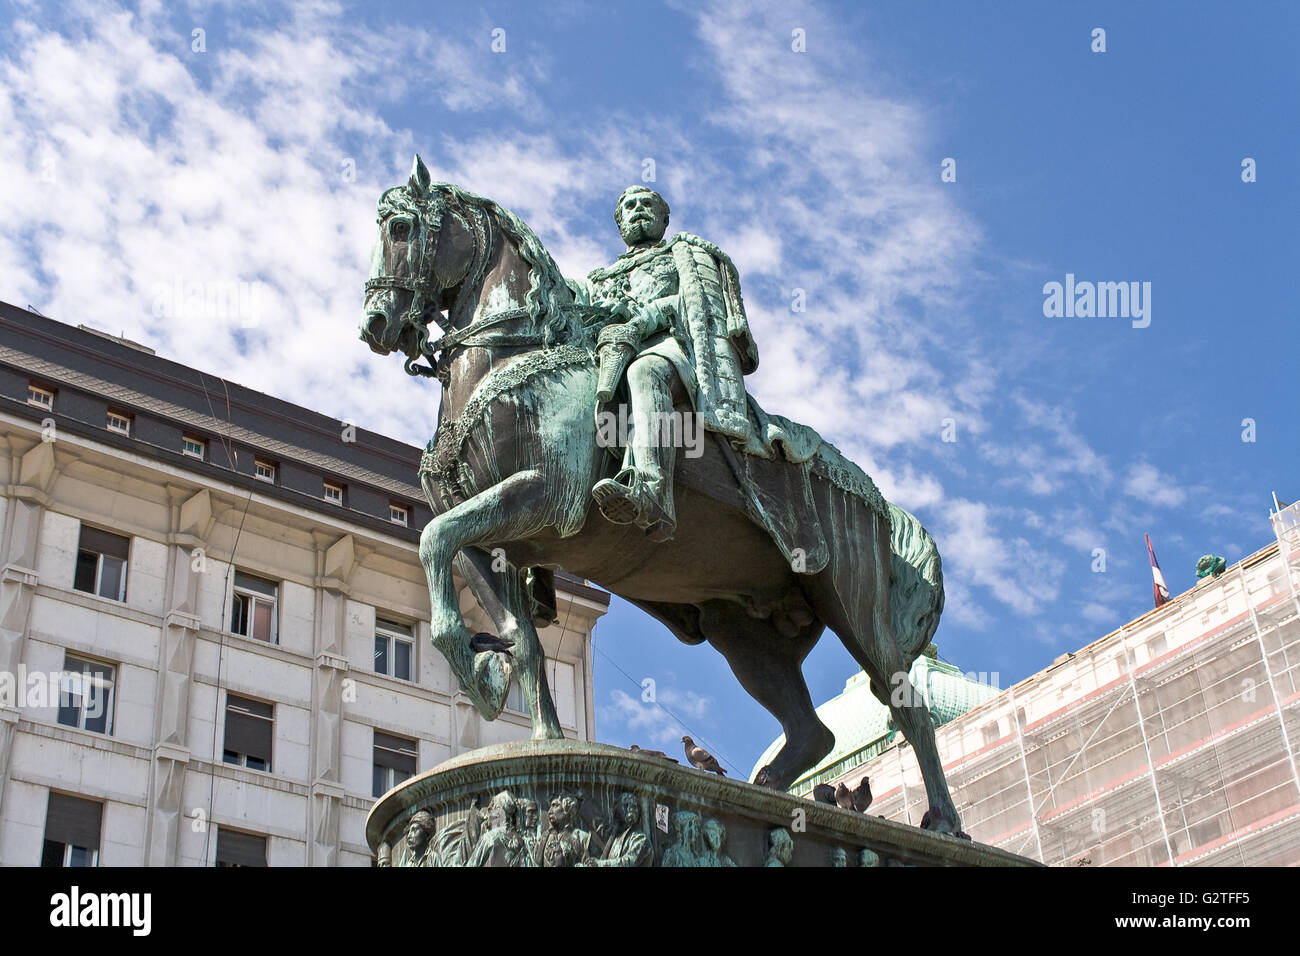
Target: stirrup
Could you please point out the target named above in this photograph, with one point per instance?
(615, 497)
(624, 500)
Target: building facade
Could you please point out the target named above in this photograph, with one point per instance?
(214, 640)
(1172, 741)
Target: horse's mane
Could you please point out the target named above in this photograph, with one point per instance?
(548, 295)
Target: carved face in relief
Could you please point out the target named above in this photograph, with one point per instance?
(530, 814)
(714, 834)
(629, 809)
(502, 811)
(641, 215)
(419, 830)
(563, 813)
(780, 846)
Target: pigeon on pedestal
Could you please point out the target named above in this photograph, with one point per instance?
(862, 795)
(701, 758)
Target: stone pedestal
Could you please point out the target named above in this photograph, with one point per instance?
(570, 803)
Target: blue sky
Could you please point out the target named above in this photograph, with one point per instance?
(132, 158)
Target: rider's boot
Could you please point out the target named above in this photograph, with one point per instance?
(642, 493)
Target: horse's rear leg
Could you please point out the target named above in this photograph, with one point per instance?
(768, 667)
(504, 597)
(862, 624)
(512, 509)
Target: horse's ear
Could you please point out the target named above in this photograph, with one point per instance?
(418, 184)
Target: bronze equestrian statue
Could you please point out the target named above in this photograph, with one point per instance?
(754, 540)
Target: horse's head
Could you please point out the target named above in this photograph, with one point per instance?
(424, 252)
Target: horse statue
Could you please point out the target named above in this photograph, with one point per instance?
(511, 470)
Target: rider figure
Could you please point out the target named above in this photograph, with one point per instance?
(677, 324)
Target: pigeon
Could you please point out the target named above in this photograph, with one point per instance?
(482, 641)
(701, 758)
(843, 798)
(824, 793)
(651, 753)
(862, 796)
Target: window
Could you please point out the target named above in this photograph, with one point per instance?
(515, 698)
(264, 471)
(992, 734)
(194, 447)
(394, 761)
(119, 423)
(71, 831)
(240, 849)
(334, 494)
(394, 650)
(250, 726)
(40, 396)
(253, 607)
(86, 695)
(399, 514)
(101, 563)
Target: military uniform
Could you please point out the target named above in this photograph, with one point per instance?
(685, 295)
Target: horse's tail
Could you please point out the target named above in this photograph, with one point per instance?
(915, 583)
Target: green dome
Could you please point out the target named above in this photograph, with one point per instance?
(864, 727)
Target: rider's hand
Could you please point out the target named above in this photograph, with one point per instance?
(616, 308)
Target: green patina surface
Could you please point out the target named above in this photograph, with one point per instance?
(517, 467)
(679, 816)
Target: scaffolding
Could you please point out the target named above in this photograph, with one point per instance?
(1172, 741)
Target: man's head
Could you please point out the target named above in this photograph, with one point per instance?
(419, 829)
(780, 845)
(641, 215)
(563, 813)
(629, 808)
(715, 834)
(530, 812)
(502, 811)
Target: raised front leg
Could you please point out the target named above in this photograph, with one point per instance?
(507, 511)
(504, 597)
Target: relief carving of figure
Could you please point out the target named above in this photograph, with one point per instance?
(416, 848)
(532, 827)
(685, 849)
(565, 843)
(631, 846)
(501, 844)
(715, 839)
(780, 847)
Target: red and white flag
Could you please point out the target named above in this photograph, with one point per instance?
(1157, 579)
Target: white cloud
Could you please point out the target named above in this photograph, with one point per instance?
(1024, 578)
(655, 725)
(134, 164)
(1149, 485)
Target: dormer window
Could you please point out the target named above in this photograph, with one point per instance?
(40, 397)
(119, 423)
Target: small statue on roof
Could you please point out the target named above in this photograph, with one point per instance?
(1210, 565)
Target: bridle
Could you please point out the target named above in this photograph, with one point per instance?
(423, 283)
(425, 287)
